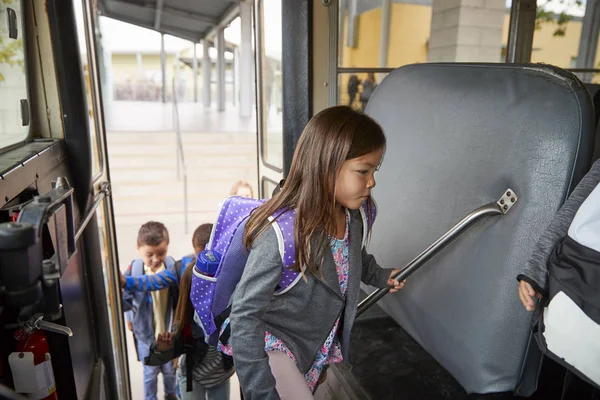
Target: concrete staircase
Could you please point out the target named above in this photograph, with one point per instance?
(145, 186)
(145, 183)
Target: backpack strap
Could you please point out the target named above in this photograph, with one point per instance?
(185, 261)
(283, 224)
(368, 212)
(137, 267)
(169, 262)
(193, 354)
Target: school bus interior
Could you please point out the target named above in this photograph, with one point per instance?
(459, 134)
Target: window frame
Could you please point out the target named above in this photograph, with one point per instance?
(261, 118)
(25, 37)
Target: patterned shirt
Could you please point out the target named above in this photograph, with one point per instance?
(331, 351)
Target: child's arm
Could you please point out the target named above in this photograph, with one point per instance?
(252, 295)
(162, 280)
(163, 349)
(372, 273)
(533, 277)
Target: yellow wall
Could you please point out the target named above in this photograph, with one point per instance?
(410, 26)
(410, 29)
(125, 71)
(556, 50)
(408, 42)
(125, 66)
(559, 50)
(366, 52)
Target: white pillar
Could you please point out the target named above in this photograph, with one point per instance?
(206, 73)
(163, 68)
(221, 69)
(246, 62)
(384, 36)
(105, 70)
(235, 63)
(176, 88)
(352, 38)
(195, 67)
(463, 30)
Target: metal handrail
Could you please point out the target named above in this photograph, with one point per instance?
(500, 207)
(181, 167)
(91, 212)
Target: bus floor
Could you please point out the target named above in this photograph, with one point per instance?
(387, 363)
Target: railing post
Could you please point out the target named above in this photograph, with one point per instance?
(180, 155)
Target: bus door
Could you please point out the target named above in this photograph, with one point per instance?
(269, 94)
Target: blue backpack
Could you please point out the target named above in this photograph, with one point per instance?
(211, 295)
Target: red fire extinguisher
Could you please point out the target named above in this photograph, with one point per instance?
(31, 365)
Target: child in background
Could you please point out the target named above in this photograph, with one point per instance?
(149, 314)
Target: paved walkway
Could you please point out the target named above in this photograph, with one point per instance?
(142, 116)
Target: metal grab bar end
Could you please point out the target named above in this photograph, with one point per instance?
(507, 201)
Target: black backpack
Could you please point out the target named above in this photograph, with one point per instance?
(567, 322)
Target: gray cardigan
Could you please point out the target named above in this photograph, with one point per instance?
(535, 271)
(302, 317)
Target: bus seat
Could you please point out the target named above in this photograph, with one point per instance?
(458, 136)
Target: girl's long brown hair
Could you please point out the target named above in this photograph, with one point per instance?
(331, 137)
(184, 313)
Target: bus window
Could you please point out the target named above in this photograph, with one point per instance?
(88, 78)
(376, 37)
(268, 186)
(272, 83)
(558, 37)
(355, 88)
(392, 34)
(14, 106)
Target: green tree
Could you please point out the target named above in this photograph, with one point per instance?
(543, 16)
(11, 51)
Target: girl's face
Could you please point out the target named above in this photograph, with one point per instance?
(356, 179)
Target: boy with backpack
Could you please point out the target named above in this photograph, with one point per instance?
(150, 313)
(203, 366)
(171, 276)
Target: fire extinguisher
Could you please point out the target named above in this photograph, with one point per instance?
(31, 365)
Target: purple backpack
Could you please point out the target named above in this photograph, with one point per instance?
(211, 295)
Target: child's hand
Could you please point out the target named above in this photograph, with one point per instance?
(130, 325)
(164, 341)
(123, 281)
(395, 285)
(526, 294)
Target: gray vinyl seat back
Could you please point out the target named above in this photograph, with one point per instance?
(458, 136)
